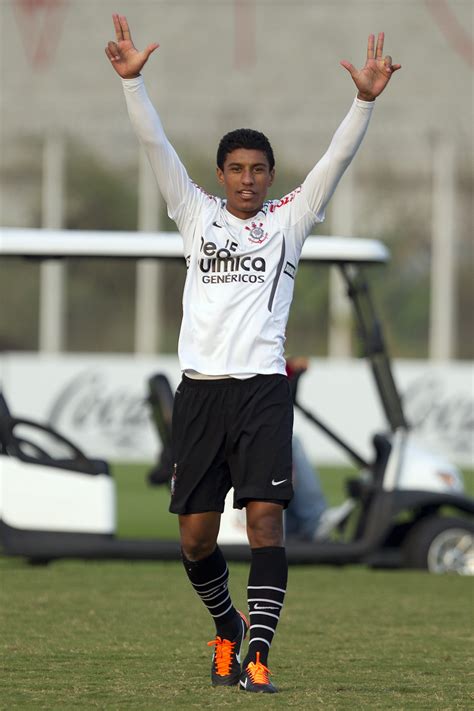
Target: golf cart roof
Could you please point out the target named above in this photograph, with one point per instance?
(44, 243)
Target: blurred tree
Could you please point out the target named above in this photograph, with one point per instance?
(101, 293)
(19, 286)
(401, 290)
(20, 180)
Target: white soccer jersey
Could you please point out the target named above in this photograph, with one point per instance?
(240, 273)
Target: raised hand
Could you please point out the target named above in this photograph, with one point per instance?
(372, 79)
(124, 56)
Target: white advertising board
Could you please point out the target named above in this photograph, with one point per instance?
(99, 402)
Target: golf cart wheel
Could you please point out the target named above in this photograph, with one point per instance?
(441, 545)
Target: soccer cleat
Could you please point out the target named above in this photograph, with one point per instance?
(225, 670)
(255, 678)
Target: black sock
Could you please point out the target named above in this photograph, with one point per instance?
(209, 578)
(266, 593)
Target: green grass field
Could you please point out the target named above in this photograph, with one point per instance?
(117, 635)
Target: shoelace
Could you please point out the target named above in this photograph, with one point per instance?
(258, 672)
(223, 655)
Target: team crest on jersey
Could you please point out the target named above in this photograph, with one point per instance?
(257, 234)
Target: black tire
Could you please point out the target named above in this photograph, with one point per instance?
(441, 545)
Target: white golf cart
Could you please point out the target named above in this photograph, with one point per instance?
(407, 507)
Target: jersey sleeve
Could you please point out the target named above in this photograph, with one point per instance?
(304, 207)
(183, 198)
(321, 182)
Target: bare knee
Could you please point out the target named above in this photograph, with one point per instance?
(264, 524)
(197, 549)
(198, 533)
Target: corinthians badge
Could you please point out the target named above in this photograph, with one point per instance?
(257, 235)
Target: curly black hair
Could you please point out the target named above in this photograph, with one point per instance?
(244, 138)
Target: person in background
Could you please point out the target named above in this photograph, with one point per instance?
(308, 504)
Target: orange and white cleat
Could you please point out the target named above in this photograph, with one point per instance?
(225, 670)
(256, 678)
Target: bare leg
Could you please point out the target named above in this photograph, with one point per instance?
(199, 534)
(264, 524)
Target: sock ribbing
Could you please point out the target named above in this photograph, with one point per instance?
(209, 578)
(266, 593)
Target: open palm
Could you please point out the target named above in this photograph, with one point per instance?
(125, 58)
(372, 79)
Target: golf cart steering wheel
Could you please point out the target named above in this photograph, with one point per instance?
(16, 445)
(38, 452)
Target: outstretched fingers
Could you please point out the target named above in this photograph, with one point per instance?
(117, 27)
(151, 48)
(379, 50)
(127, 60)
(125, 28)
(370, 46)
(122, 30)
(350, 67)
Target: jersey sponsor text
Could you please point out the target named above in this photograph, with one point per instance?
(226, 267)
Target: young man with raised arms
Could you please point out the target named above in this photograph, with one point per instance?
(233, 413)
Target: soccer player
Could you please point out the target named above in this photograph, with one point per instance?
(233, 413)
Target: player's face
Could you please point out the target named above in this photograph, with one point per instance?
(246, 177)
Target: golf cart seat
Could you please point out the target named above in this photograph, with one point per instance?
(361, 487)
(161, 400)
(35, 443)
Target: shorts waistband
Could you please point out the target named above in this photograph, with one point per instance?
(229, 382)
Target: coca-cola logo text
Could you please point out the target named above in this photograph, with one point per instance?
(441, 416)
(88, 403)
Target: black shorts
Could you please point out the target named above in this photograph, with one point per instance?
(231, 433)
